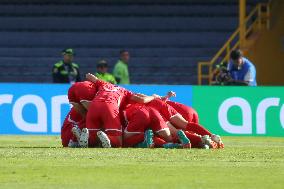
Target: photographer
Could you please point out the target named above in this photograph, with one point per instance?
(242, 71)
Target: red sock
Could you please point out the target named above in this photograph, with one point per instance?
(194, 139)
(198, 129)
(158, 141)
(115, 141)
(133, 140)
(93, 139)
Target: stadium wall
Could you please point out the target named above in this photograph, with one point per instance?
(268, 51)
(250, 111)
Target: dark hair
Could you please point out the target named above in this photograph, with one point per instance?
(122, 51)
(102, 63)
(236, 54)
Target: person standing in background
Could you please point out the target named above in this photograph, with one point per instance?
(120, 70)
(102, 72)
(66, 71)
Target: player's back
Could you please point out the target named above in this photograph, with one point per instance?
(114, 94)
(132, 108)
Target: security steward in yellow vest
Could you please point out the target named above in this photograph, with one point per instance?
(66, 71)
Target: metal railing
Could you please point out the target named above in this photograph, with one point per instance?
(255, 21)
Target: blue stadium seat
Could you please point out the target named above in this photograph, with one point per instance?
(69, 39)
(106, 52)
(163, 23)
(97, 9)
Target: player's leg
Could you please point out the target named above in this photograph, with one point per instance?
(112, 125)
(138, 121)
(66, 133)
(179, 122)
(159, 142)
(77, 130)
(67, 137)
(196, 141)
(198, 129)
(169, 113)
(158, 125)
(133, 140)
(148, 140)
(188, 113)
(89, 134)
(179, 136)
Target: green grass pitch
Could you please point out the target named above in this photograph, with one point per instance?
(39, 162)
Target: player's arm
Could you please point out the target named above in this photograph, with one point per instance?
(86, 104)
(140, 94)
(91, 77)
(139, 98)
(95, 79)
(169, 95)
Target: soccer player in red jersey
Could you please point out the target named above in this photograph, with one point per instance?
(189, 122)
(142, 121)
(103, 113)
(72, 119)
(81, 94)
(141, 118)
(187, 112)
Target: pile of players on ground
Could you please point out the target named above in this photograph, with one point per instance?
(106, 115)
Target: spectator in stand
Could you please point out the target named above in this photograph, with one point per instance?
(102, 72)
(120, 70)
(66, 71)
(241, 70)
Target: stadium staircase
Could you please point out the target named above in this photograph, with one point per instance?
(257, 20)
(166, 38)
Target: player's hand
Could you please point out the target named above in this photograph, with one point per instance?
(91, 77)
(171, 94)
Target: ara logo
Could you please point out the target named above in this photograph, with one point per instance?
(41, 125)
(246, 126)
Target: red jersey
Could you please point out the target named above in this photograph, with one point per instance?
(165, 110)
(187, 112)
(112, 94)
(131, 108)
(140, 118)
(83, 91)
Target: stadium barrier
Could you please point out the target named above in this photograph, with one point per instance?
(250, 111)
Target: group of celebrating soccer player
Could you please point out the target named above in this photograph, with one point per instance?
(107, 115)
